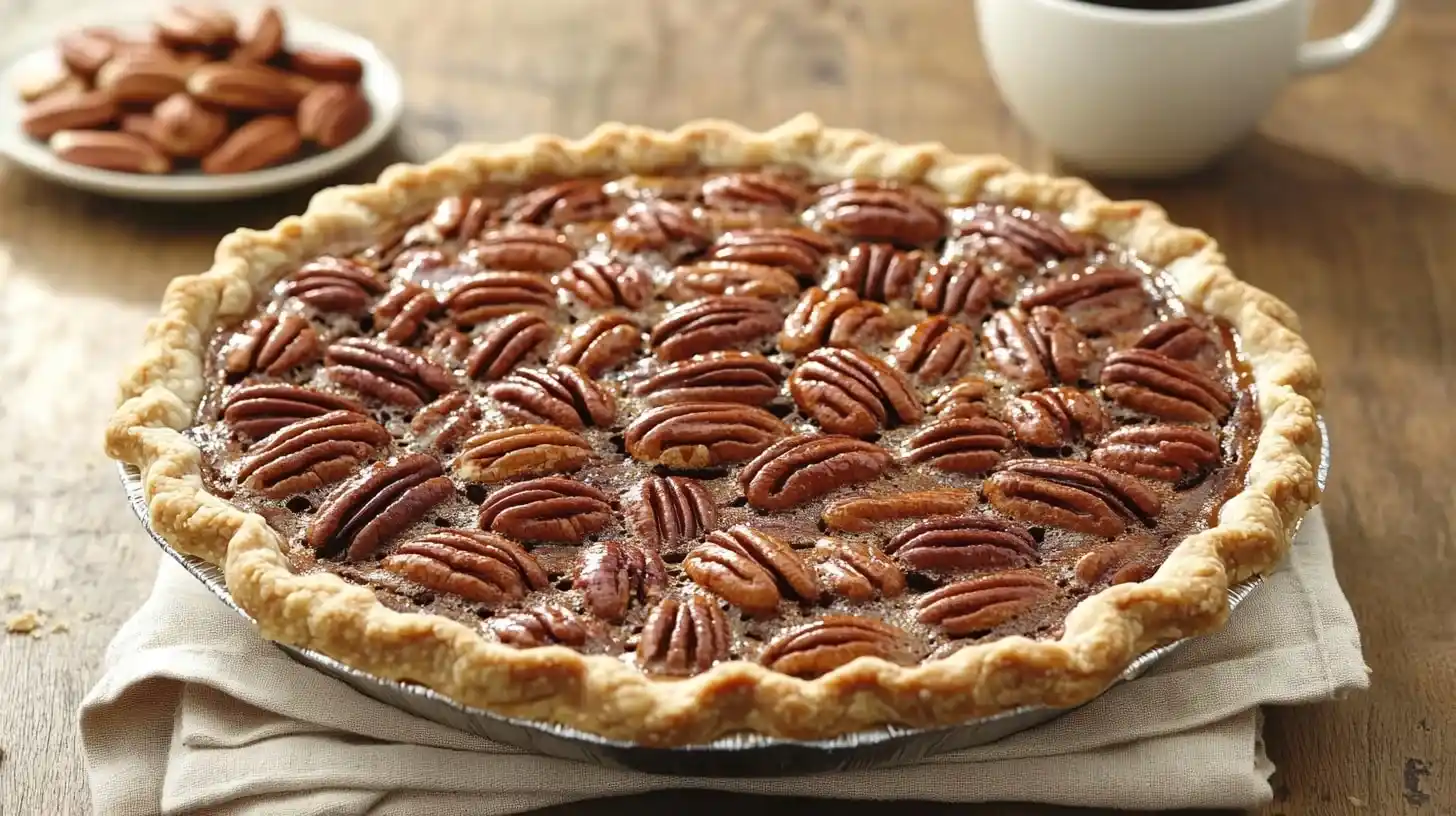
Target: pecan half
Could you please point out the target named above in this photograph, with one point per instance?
(1072, 495)
(960, 287)
(565, 202)
(600, 344)
(825, 644)
(523, 450)
(1056, 417)
(798, 250)
(542, 625)
(1178, 338)
(872, 212)
(460, 216)
(713, 324)
(496, 294)
(257, 411)
(449, 345)
(551, 508)
(272, 345)
(719, 376)
(382, 502)
(659, 226)
(1168, 453)
(933, 349)
(963, 400)
(1101, 300)
(387, 373)
(877, 272)
(730, 278)
(560, 395)
(972, 445)
(836, 318)
(335, 285)
(861, 514)
(506, 344)
(982, 604)
(400, 316)
(739, 191)
(697, 435)
(1150, 383)
(1038, 349)
(963, 544)
(1018, 237)
(750, 570)
(683, 637)
(599, 285)
(519, 248)
(473, 564)
(857, 571)
(670, 510)
(311, 453)
(802, 468)
(446, 421)
(849, 392)
(1123, 561)
(613, 575)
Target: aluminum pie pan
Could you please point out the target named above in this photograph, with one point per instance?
(738, 755)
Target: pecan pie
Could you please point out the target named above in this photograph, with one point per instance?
(669, 435)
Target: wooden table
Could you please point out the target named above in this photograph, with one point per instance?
(1344, 204)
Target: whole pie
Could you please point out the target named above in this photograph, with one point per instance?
(666, 435)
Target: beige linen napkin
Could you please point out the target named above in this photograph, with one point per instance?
(196, 714)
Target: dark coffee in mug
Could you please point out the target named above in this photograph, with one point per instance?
(1162, 5)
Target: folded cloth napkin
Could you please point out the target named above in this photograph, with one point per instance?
(196, 714)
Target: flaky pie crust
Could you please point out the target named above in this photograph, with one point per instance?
(603, 695)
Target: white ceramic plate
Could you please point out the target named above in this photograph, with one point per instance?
(381, 84)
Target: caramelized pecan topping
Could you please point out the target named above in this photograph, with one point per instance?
(497, 294)
(387, 373)
(257, 411)
(427, 265)
(522, 450)
(802, 468)
(383, 501)
(963, 400)
(960, 287)
(273, 345)
(697, 435)
(798, 250)
(750, 570)
(551, 508)
(973, 445)
(1123, 561)
(684, 637)
(473, 564)
(738, 191)
(542, 625)
(600, 344)
(1038, 349)
(735, 278)
(981, 604)
(1101, 300)
(1178, 338)
(446, 421)
(964, 544)
(866, 211)
(719, 376)
(837, 318)
(849, 392)
(613, 575)
(877, 272)
(1018, 237)
(519, 248)
(1072, 495)
(1168, 453)
(857, 571)
(600, 285)
(400, 316)
(933, 349)
(566, 202)
(506, 344)
(827, 643)
(1056, 417)
(659, 226)
(1150, 383)
(311, 453)
(861, 514)
(713, 324)
(560, 395)
(670, 510)
(334, 285)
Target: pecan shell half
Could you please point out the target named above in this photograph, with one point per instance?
(683, 637)
(973, 445)
(522, 450)
(872, 212)
(802, 468)
(601, 344)
(1037, 349)
(713, 324)
(311, 453)
(750, 570)
(386, 499)
(1077, 496)
(497, 294)
(836, 318)
(614, 575)
(603, 285)
(801, 251)
(697, 435)
(400, 315)
(257, 411)
(473, 564)
(334, 285)
(1056, 417)
(861, 514)
(519, 248)
(982, 604)
(387, 373)
(735, 278)
(849, 392)
(719, 376)
(446, 421)
(505, 345)
(825, 644)
(273, 345)
(551, 508)
(857, 571)
(1168, 453)
(933, 349)
(1150, 383)
(877, 272)
(670, 510)
(964, 544)
(560, 395)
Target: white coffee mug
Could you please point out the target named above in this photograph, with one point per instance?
(1139, 93)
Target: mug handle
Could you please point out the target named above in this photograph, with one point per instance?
(1332, 52)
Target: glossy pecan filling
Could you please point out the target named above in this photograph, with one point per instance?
(729, 415)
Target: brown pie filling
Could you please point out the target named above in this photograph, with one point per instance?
(729, 415)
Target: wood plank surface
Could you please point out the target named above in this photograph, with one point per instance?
(1344, 204)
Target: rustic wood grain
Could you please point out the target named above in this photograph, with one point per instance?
(1344, 204)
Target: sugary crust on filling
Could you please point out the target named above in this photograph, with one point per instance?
(605, 694)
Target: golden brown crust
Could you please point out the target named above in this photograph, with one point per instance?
(1187, 596)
